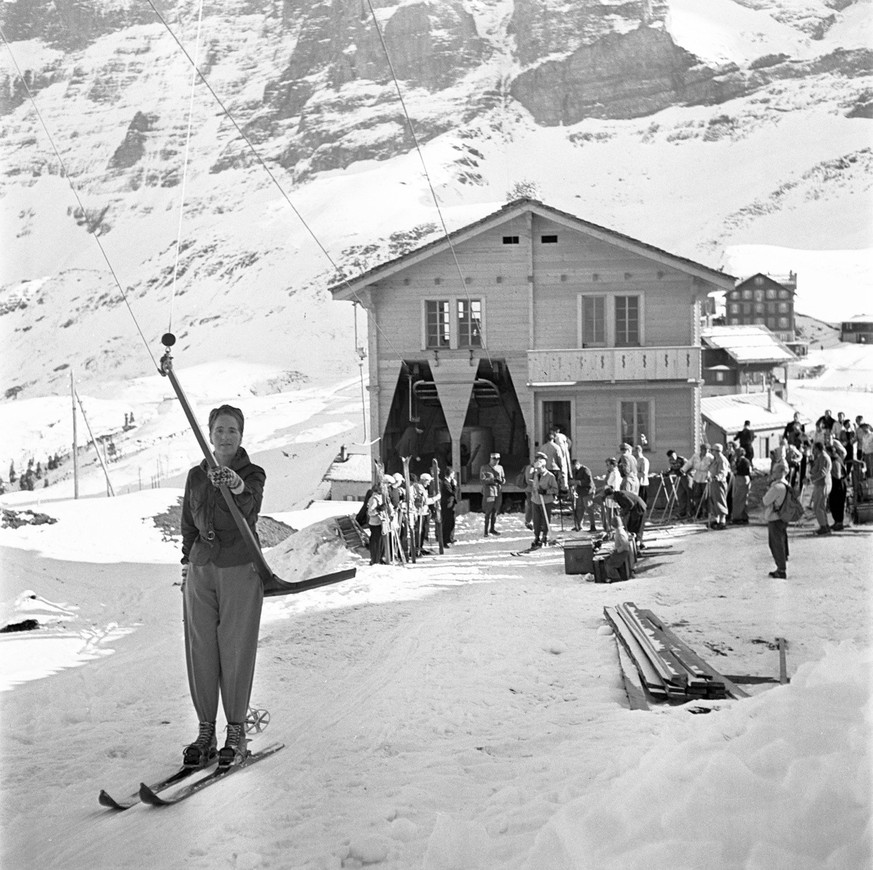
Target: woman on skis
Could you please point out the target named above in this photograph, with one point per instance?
(222, 592)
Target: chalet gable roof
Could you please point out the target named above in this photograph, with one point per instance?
(767, 282)
(746, 344)
(347, 290)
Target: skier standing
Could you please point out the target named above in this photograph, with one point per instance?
(544, 491)
(222, 592)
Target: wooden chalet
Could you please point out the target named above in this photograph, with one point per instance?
(531, 318)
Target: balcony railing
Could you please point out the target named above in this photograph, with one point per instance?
(613, 364)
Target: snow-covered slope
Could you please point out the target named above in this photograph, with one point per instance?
(775, 108)
(467, 712)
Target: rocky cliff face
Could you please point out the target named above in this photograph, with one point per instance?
(320, 75)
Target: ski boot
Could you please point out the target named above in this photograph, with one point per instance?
(203, 750)
(235, 747)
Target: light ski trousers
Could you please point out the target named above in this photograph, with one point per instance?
(222, 612)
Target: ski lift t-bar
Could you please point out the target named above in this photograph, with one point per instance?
(272, 584)
(168, 340)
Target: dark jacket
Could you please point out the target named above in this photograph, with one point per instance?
(744, 467)
(584, 480)
(449, 493)
(628, 503)
(209, 533)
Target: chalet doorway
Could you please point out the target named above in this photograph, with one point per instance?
(557, 413)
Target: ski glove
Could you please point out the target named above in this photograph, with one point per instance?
(224, 476)
(184, 573)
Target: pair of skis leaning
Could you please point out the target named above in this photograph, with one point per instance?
(151, 794)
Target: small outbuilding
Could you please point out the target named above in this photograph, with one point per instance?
(768, 415)
(349, 476)
(741, 358)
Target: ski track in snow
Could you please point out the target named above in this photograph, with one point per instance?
(436, 716)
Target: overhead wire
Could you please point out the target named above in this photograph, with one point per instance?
(272, 176)
(430, 185)
(185, 171)
(76, 195)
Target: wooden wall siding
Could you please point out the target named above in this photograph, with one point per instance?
(492, 271)
(580, 264)
(597, 433)
(498, 274)
(614, 364)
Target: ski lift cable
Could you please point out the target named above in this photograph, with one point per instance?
(273, 178)
(185, 168)
(76, 195)
(427, 175)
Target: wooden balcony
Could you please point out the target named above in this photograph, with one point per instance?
(611, 364)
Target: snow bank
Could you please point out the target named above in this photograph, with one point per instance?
(317, 549)
(100, 530)
(61, 640)
(770, 776)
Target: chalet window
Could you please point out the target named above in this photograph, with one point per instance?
(636, 423)
(735, 308)
(762, 321)
(784, 294)
(627, 321)
(593, 321)
(759, 296)
(510, 240)
(771, 293)
(759, 308)
(783, 323)
(719, 377)
(747, 308)
(783, 307)
(759, 281)
(549, 240)
(437, 325)
(469, 323)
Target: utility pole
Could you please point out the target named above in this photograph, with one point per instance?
(109, 488)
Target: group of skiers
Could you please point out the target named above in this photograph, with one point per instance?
(618, 496)
(399, 510)
(837, 454)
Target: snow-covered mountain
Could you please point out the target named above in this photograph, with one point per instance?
(736, 132)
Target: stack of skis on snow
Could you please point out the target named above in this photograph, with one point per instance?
(668, 668)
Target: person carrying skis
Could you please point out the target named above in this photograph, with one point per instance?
(544, 491)
(221, 588)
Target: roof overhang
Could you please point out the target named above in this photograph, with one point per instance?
(348, 290)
